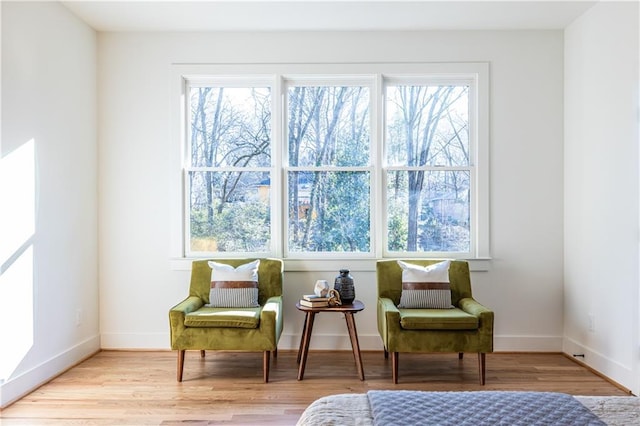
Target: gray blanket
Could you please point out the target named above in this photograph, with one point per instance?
(399, 408)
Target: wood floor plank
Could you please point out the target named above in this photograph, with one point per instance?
(140, 388)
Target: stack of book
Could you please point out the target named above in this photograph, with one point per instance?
(313, 301)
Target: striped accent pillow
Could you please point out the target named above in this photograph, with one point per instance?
(425, 286)
(234, 287)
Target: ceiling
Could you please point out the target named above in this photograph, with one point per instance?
(319, 15)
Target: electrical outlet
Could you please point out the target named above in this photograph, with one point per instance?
(592, 323)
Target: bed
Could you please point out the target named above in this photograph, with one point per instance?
(376, 408)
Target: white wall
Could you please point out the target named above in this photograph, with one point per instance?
(601, 191)
(138, 176)
(48, 98)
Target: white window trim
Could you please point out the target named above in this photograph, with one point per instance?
(321, 79)
(188, 83)
(479, 173)
(277, 74)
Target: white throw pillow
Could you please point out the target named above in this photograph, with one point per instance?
(234, 287)
(425, 286)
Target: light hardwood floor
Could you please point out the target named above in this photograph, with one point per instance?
(140, 388)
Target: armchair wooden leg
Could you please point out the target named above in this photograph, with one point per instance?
(386, 353)
(180, 364)
(394, 367)
(481, 367)
(202, 353)
(275, 352)
(265, 366)
(460, 355)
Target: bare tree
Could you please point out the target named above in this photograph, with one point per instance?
(224, 135)
(302, 109)
(326, 128)
(325, 151)
(422, 108)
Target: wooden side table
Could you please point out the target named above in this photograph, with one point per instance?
(348, 311)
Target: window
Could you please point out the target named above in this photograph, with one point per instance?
(427, 168)
(229, 172)
(328, 169)
(358, 165)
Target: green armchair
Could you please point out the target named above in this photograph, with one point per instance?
(195, 326)
(467, 327)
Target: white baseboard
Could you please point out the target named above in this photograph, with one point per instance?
(368, 342)
(22, 384)
(162, 341)
(527, 343)
(17, 387)
(610, 368)
(373, 342)
(150, 341)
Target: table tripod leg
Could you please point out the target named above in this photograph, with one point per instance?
(304, 327)
(353, 335)
(306, 338)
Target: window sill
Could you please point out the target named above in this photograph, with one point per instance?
(312, 265)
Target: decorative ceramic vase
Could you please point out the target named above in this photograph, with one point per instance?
(344, 286)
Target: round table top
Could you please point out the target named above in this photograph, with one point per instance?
(356, 306)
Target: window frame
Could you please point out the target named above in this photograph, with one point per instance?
(471, 167)
(337, 80)
(376, 74)
(226, 82)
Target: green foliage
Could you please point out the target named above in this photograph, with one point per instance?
(397, 231)
(328, 148)
(340, 220)
(239, 227)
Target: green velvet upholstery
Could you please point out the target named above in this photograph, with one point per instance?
(468, 327)
(195, 326)
(437, 319)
